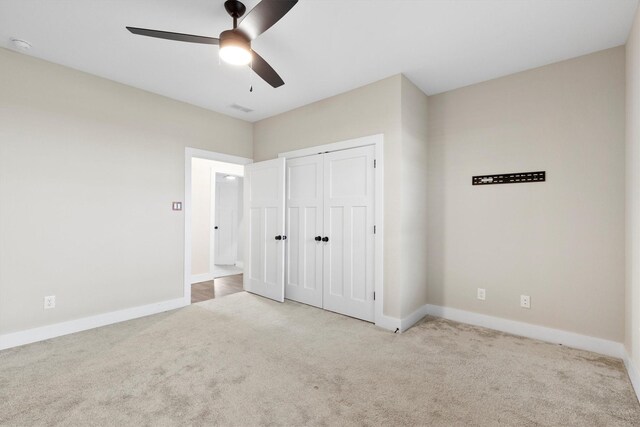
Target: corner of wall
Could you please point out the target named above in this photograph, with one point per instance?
(632, 201)
(413, 119)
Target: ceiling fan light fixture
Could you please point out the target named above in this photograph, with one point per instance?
(235, 55)
(235, 49)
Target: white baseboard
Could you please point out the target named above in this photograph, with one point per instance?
(204, 277)
(388, 322)
(542, 333)
(240, 264)
(413, 318)
(401, 325)
(634, 374)
(29, 336)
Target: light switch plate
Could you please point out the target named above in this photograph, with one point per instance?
(176, 206)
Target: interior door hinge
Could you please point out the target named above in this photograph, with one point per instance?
(374, 229)
(375, 163)
(374, 296)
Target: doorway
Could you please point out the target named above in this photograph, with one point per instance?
(227, 219)
(213, 225)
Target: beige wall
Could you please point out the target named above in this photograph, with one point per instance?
(88, 171)
(369, 110)
(632, 338)
(562, 241)
(414, 198)
(89, 167)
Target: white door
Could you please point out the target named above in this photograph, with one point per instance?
(264, 217)
(226, 221)
(348, 225)
(303, 281)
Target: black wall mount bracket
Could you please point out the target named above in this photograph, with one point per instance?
(509, 178)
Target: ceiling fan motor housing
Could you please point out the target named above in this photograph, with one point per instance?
(234, 38)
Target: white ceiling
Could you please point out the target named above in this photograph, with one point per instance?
(321, 48)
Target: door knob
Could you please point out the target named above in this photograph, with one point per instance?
(278, 237)
(215, 228)
(318, 238)
(325, 239)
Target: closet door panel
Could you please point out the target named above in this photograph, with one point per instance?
(303, 281)
(348, 223)
(312, 271)
(359, 253)
(264, 205)
(336, 251)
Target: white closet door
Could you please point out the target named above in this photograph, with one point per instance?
(348, 225)
(303, 280)
(264, 213)
(226, 221)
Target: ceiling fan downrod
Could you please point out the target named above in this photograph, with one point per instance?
(235, 9)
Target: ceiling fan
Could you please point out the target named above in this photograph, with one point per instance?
(235, 44)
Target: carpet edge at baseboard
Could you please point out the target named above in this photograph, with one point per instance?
(42, 333)
(529, 330)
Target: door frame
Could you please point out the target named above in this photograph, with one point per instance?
(377, 141)
(189, 155)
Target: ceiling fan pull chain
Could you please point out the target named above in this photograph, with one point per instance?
(251, 75)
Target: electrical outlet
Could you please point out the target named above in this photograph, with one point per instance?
(525, 301)
(481, 294)
(50, 301)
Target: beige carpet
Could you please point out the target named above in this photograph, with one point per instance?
(244, 360)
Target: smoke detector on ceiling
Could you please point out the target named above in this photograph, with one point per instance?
(21, 45)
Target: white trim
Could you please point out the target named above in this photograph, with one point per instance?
(204, 277)
(413, 318)
(377, 140)
(379, 221)
(335, 146)
(632, 371)
(542, 333)
(16, 339)
(387, 322)
(189, 155)
(219, 157)
(240, 264)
